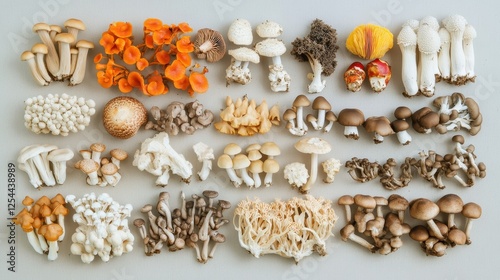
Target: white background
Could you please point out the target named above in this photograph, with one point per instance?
(345, 260)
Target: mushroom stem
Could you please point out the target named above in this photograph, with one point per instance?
(233, 177)
(313, 175)
(435, 229)
(276, 60)
(247, 179)
(256, 179)
(29, 57)
(351, 131)
(81, 62)
(52, 57)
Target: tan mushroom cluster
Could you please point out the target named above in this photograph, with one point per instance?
(322, 119)
(437, 236)
(43, 222)
(101, 171)
(372, 226)
(102, 227)
(60, 56)
(57, 114)
(244, 117)
(44, 164)
(196, 224)
(246, 167)
(292, 229)
(179, 117)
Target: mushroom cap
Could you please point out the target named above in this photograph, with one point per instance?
(454, 23)
(365, 201)
(311, 118)
(270, 149)
(270, 47)
(219, 238)
(123, 116)
(210, 193)
(407, 37)
(428, 40)
(430, 21)
(254, 155)
(41, 26)
(402, 113)
(56, 28)
(245, 54)
(450, 204)
(472, 210)
(88, 166)
(65, 38)
(84, 44)
(28, 201)
(397, 203)
(240, 161)
(423, 209)
(400, 125)
(51, 232)
(313, 145)
(139, 222)
(469, 32)
(225, 161)
(271, 166)
(253, 147)
(457, 236)
(419, 233)
(256, 166)
(39, 48)
(301, 101)
(224, 204)
(380, 125)
(345, 200)
(413, 23)
(289, 114)
(60, 155)
(472, 108)
(346, 231)
(27, 55)
(215, 41)
(119, 154)
(232, 149)
(97, 147)
(382, 201)
(320, 103)
(351, 117)
(330, 116)
(240, 32)
(269, 29)
(109, 169)
(74, 23)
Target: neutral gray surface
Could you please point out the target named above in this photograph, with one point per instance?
(345, 260)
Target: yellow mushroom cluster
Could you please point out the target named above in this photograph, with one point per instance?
(292, 229)
(244, 118)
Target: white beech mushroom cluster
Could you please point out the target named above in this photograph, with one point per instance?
(244, 117)
(437, 236)
(43, 222)
(195, 225)
(179, 117)
(60, 56)
(371, 225)
(322, 120)
(159, 158)
(58, 114)
(101, 171)
(444, 53)
(246, 167)
(44, 164)
(292, 229)
(102, 227)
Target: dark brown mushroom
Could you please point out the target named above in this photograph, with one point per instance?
(380, 126)
(351, 118)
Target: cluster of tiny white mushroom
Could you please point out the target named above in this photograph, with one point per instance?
(44, 164)
(58, 114)
(292, 229)
(102, 227)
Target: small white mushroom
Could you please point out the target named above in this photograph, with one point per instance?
(205, 155)
(58, 158)
(240, 32)
(313, 146)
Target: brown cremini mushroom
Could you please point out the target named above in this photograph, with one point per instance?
(450, 204)
(380, 126)
(426, 210)
(471, 211)
(351, 119)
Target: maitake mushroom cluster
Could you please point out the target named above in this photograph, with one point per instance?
(58, 114)
(44, 164)
(102, 227)
(157, 157)
(180, 117)
(195, 225)
(244, 117)
(292, 229)
(60, 56)
(43, 222)
(101, 171)
(246, 168)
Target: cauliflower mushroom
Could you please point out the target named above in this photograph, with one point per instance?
(331, 167)
(314, 146)
(278, 77)
(296, 174)
(407, 41)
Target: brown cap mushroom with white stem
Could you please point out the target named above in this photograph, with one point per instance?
(351, 118)
(278, 77)
(256, 167)
(123, 116)
(450, 204)
(347, 232)
(299, 103)
(314, 146)
(471, 211)
(241, 163)
(29, 57)
(321, 105)
(43, 29)
(426, 210)
(346, 201)
(210, 45)
(40, 50)
(380, 126)
(399, 205)
(73, 26)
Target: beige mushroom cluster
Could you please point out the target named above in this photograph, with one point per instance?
(102, 227)
(247, 167)
(44, 164)
(58, 114)
(292, 229)
(322, 119)
(158, 157)
(43, 222)
(101, 171)
(363, 170)
(179, 117)
(60, 56)
(196, 224)
(436, 236)
(378, 222)
(457, 111)
(244, 117)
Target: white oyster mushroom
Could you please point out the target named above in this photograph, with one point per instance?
(240, 32)
(444, 54)
(296, 174)
(428, 43)
(455, 24)
(469, 35)
(278, 77)
(407, 41)
(205, 155)
(331, 167)
(269, 29)
(238, 71)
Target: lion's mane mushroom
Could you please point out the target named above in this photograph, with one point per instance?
(123, 116)
(351, 118)
(278, 76)
(380, 126)
(314, 146)
(210, 45)
(296, 174)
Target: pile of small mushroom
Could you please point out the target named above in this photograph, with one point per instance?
(292, 229)
(245, 118)
(101, 171)
(445, 53)
(157, 157)
(60, 56)
(44, 164)
(437, 236)
(323, 119)
(370, 220)
(57, 114)
(362, 170)
(195, 225)
(43, 222)
(246, 168)
(102, 227)
(179, 117)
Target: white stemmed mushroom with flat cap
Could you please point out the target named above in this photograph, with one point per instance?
(29, 57)
(314, 146)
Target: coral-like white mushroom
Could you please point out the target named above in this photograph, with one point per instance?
(205, 155)
(296, 174)
(331, 167)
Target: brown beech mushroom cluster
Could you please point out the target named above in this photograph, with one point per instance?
(457, 111)
(322, 119)
(101, 171)
(377, 223)
(247, 167)
(436, 236)
(196, 224)
(179, 117)
(123, 116)
(43, 222)
(244, 117)
(60, 56)
(362, 170)
(292, 229)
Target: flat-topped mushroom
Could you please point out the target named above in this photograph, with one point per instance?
(240, 32)
(123, 116)
(426, 210)
(269, 29)
(278, 77)
(238, 70)
(450, 204)
(314, 146)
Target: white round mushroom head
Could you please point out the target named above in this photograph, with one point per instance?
(269, 29)
(270, 47)
(428, 40)
(240, 32)
(407, 37)
(244, 54)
